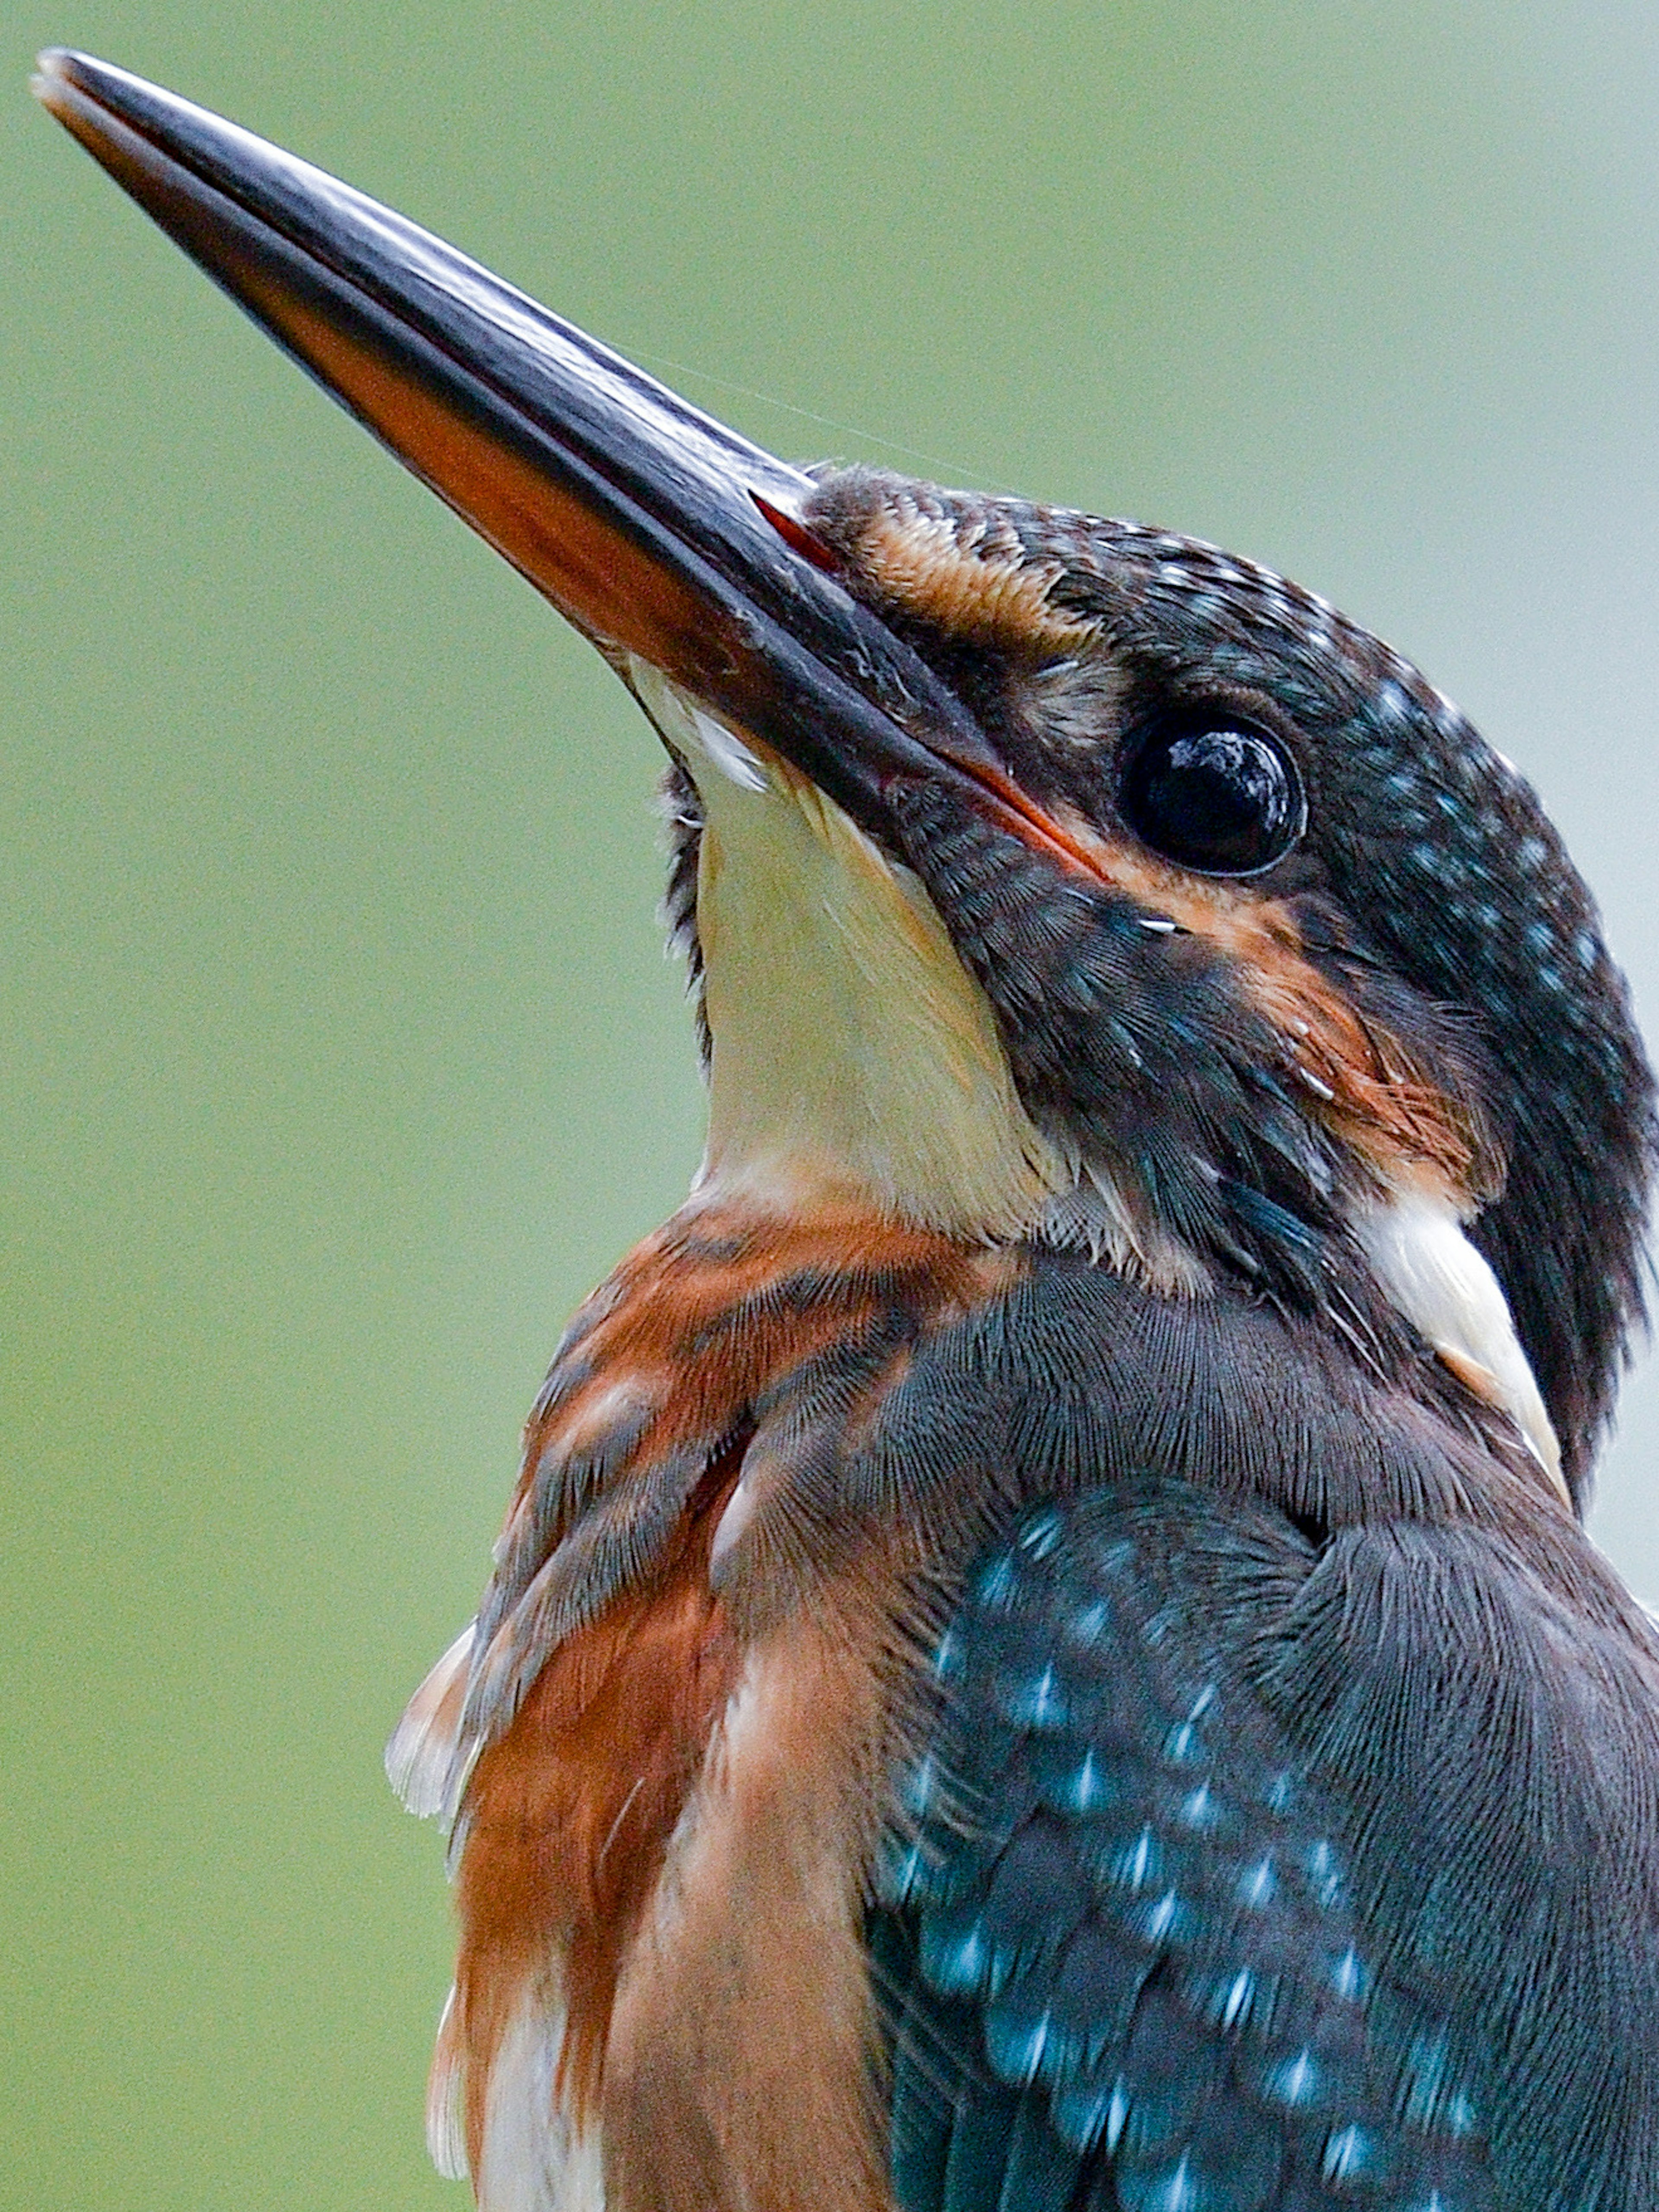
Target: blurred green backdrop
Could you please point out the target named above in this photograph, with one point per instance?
(339, 1057)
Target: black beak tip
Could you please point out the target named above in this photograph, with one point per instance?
(72, 88)
(54, 72)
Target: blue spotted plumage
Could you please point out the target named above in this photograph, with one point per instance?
(1122, 1907)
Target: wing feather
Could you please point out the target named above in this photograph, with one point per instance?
(1126, 1960)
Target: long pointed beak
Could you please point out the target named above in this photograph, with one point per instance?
(653, 528)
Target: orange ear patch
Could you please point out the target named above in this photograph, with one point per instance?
(1360, 1080)
(1367, 1089)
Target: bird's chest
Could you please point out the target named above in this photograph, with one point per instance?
(662, 1963)
(670, 1745)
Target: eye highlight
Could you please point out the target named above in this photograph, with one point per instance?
(1212, 792)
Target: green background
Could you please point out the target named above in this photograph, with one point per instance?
(338, 1056)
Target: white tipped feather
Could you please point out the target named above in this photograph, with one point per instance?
(445, 2097)
(1432, 1273)
(420, 1757)
(532, 2161)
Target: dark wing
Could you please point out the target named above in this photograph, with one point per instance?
(1249, 1874)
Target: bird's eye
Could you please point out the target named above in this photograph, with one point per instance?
(1213, 794)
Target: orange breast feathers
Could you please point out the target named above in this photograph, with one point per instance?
(664, 1745)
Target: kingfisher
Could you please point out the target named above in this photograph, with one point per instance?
(1043, 1656)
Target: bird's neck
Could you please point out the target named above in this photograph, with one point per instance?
(855, 1062)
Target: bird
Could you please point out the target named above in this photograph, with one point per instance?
(1043, 1656)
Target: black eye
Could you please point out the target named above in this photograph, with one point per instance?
(1212, 794)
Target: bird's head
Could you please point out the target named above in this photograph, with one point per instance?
(1043, 878)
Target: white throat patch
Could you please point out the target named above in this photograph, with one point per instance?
(853, 1053)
